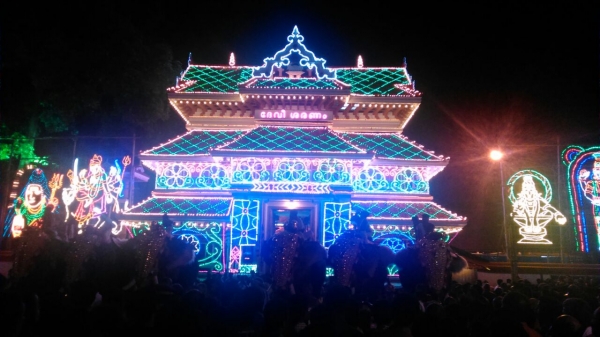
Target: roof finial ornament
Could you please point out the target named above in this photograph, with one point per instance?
(190, 59)
(232, 59)
(359, 63)
(404, 64)
(295, 31)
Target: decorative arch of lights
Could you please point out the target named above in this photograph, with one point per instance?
(299, 175)
(583, 182)
(532, 210)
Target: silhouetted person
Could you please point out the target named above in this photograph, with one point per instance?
(428, 227)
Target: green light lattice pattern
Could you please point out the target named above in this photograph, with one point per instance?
(194, 143)
(291, 139)
(216, 79)
(365, 81)
(387, 146)
(368, 81)
(403, 210)
(190, 206)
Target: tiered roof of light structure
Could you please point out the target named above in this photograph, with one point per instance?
(299, 140)
(388, 81)
(291, 139)
(403, 210)
(380, 210)
(178, 206)
(193, 143)
(381, 99)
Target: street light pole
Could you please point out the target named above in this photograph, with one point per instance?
(506, 244)
(510, 256)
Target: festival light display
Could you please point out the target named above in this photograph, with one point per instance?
(244, 235)
(29, 207)
(531, 209)
(293, 129)
(583, 177)
(282, 58)
(93, 193)
(232, 60)
(293, 175)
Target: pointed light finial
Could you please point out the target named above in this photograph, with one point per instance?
(232, 59)
(359, 62)
(295, 31)
(190, 59)
(404, 64)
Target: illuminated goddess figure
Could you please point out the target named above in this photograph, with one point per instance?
(590, 183)
(532, 212)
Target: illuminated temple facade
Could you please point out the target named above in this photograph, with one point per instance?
(292, 134)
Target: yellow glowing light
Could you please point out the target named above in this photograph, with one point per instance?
(496, 155)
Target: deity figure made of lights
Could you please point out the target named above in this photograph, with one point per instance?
(583, 174)
(590, 183)
(93, 191)
(531, 209)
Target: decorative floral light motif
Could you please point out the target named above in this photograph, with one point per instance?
(213, 177)
(332, 171)
(410, 180)
(336, 218)
(244, 230)
(176, 175)
(208, 243)
(370, 179)
(291, 174)
(291, 170)
(250, 169)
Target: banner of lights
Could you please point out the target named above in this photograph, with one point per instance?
(285, 115)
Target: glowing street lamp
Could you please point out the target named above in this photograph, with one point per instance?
(497, 155)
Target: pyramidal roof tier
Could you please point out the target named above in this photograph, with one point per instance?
(294, 85)
(278, 140)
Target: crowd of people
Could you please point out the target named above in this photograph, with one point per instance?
(114, 292)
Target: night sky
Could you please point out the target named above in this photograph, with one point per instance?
(520, 76)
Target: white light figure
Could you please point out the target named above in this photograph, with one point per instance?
(532, 212)
(94, 193)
